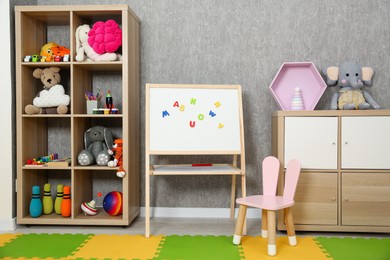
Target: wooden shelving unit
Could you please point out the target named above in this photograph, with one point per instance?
(345, 179)
(39, 135)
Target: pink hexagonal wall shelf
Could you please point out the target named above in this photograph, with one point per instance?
(302, 75)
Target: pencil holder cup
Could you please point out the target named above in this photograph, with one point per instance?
(91, 105)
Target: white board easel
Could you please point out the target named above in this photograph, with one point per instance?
(193, 120)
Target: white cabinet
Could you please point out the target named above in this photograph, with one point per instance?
(312, 140)
(365, 142)
(345, 178)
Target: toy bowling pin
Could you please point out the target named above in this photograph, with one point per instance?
(66, 203)
(47, 199)
(58, 201)
(36, 203)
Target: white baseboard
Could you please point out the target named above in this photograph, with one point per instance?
(7, 224)
(161, 212)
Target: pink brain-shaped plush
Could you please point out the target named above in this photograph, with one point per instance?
(105, 37)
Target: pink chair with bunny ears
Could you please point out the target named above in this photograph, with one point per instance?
(270, 203)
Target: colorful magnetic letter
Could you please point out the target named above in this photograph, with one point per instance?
(220, 125)
(182, 107)
(193, 101)
(192, 123)
(212, 114)
(200, 117)
(176, 104)
(217, 104)
(165, 113)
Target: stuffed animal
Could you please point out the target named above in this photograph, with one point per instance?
(84, 51)
(97, 141)
(117, 151)
(351, 77)
(52, 99)
(105, 37)
(46, 51)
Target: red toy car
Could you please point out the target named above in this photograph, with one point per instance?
(58, 58)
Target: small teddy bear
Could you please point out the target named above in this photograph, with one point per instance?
(52, 99)
(117, 152)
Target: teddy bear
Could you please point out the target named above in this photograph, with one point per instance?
(52, 99)
(117, 152)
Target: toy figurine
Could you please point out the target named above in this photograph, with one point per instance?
(117, 151)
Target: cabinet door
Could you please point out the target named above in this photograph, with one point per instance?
(316, 199)
(366, 199)
(312, 140)
(365, 142)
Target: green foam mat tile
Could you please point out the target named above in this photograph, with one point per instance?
(43, 245)
(356, 248)
(198, 247)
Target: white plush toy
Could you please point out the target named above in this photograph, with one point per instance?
(83, 47)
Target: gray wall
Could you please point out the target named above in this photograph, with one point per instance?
(245, 42)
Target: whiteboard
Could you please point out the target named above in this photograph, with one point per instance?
(197, 119)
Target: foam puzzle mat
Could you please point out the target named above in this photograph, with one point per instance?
(160, 247)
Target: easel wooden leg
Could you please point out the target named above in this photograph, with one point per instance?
(147, 204)
(239, 225)
(292, 239)
(233, 196)
(271, 219)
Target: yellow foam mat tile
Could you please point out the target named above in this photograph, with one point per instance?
(6, 238)
(119, 247)
(256, 248)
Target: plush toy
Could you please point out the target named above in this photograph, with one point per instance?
(117, 151)
(97, 141)
(46, 51)
(52, 99)
(105, 37)
(351, 77)
(85, 51)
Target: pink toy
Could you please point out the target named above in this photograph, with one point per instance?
(105, 37)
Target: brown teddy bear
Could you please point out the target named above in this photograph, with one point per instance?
(52, 99)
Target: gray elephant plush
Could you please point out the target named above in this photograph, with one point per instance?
(97, 141)
(351, 77)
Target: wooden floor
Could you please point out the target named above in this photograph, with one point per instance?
(177, 226)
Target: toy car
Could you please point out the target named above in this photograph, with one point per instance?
(58, 58)
(66, 58)
(36, 58)
(27, 58)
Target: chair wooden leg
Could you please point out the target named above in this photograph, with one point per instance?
(264, 228)
(292, 239)
(271, 219)
(239, 225)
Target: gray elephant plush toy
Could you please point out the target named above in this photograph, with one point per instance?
(351, 77)
(97, 141)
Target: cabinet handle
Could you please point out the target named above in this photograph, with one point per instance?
(346, 199)
(346, 143)
(333, 199)
(333, 143)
